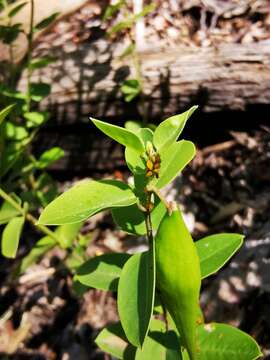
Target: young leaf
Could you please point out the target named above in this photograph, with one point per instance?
(130, 88)
(85, 199)
(159, 344)
(7, 212)
(133, 125)
(113, 341)
(16, 9)
(111, 10)
(134, 161)
(35, 118)
(39, 91)
(15, 132)
(169, 130)
(215, 250)
(4, 113)
(41, 62)
(67, 233)
(223, 342)
(49, 157)
(136, 292)
(102, 272)
(173, 160)
(121, 135)
(132, 220)
(11, 236)
(46, 22)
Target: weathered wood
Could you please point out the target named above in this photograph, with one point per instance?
(87, 77)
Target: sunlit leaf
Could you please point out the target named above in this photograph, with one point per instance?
(170, 129)
(215, 250)
(86, 199)
(102, 272)
(11, 236)
(136, 291)
(121, 135)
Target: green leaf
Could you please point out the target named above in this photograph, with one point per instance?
(41, 247)
(7, 212)
(131, 219)
(121, 135)
(46, 22)
(136, 292)
(41, 62)
(15, 132)
(145, 134)
(223, 342)
(4, 113)
(39, 91)
(130, 88)
(9, 92)
(122, 25)
(169, 130)
(49, 157)
(145, 11)
(134, 161)
(133, 125)
(159, 344)
(16, 9)
(67, 233)
(102, 272)
(111, 10)
(9, 33)
(85, 199)
(173, 160)
(128, 51)
(11, 236)
(112, 340)
(36, 118)
(215, 250)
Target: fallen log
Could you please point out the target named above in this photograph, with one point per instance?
(86, 79)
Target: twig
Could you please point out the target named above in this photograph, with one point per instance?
(29, 55)
(28, 216)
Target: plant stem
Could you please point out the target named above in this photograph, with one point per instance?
(29, 55)
(28, 216)
(148, 221)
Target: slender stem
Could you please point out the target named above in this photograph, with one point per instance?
(29, 55)
(28, 216)
(148, 221)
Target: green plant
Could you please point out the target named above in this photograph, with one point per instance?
(24, 183)
(166, 278)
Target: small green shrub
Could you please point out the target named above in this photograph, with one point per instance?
(166, 279)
